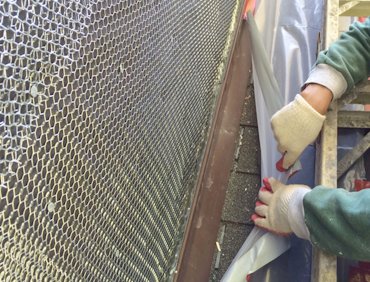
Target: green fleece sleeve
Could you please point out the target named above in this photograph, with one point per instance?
(350, 54)
(339, 221)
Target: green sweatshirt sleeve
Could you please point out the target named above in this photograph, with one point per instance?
(350, 54)
(339, 221)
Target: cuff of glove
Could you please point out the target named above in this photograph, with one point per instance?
(310, 112)
(330, 78)
(296, 214)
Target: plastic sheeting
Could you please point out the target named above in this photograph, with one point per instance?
(290, 32)
(258, 250)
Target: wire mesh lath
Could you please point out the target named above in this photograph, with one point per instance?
(104, 109)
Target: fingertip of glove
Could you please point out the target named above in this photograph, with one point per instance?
(264, 189)
(266, 184)
(259, 203)
(279, 165)
(255, 217)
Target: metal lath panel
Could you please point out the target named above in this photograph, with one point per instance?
(104, 111)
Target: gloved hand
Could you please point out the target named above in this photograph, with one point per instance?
(295, 126)
(280, 209)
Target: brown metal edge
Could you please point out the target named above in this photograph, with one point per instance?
(196, 255)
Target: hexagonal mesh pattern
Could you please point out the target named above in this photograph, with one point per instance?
(104, 110)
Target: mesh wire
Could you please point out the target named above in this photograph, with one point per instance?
(104, 110)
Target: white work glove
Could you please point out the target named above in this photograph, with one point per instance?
(280, 209)
(295, 126)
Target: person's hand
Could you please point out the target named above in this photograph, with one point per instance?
(280, 208)
(299, 123)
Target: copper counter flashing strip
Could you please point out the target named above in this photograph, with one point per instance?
(197, 251)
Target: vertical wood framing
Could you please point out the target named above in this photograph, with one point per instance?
(324, 266)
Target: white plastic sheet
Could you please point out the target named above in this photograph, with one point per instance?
(258, 250)
(290, 31)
